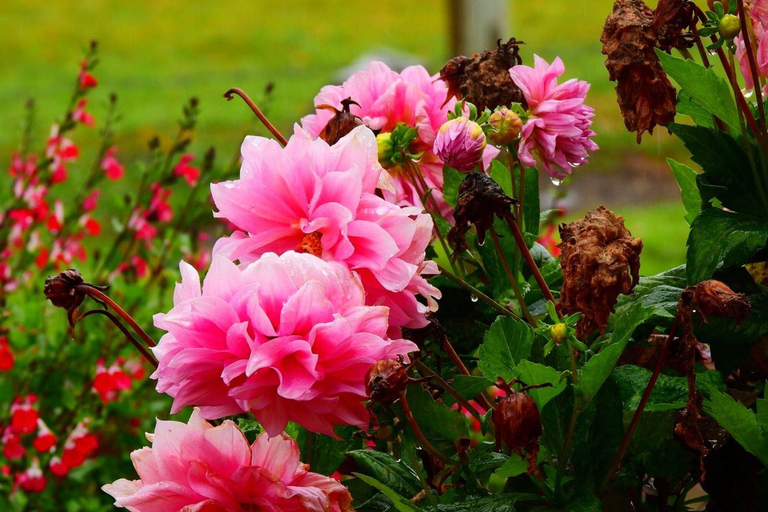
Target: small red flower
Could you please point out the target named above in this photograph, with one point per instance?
(32, 480)
(24, 416)
(12, 447)
(90, 225)
(90, 202)
(86, 80)
(80, 115)
(57, 467)
(111, 166)
(7, 358)
(188, 172)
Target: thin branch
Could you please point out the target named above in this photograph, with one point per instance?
(256, 111)
(124, 330)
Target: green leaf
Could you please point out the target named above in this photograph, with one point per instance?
(687, 107)
(741, 423)
(493, 503)
(502, 176)
(327, 453)
(534, 373)
(468, 386)
(686, 180)
(508, 342)
(452, 180)
(387, 470)
(762, 413)
(436, 420)
(720, 237)
(400, 503)
(669, 393)
(704, 86)
(727, 174)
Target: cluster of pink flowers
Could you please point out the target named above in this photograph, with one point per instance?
(386, 98)
(558, 126)
(109, 382)
(195, 466)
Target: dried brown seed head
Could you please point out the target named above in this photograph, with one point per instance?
(340, 124)
(518, 426)
(386, 381)
(645, 95)
(480, 199)
(483, 79)
(60, 289)
(600, 260)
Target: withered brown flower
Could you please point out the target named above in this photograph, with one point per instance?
(714, 298)
(672, 22)
(62, 291)
(517, 424)
(480, 199)
(483, 79)
(645, 95)
(340, 124)
(386, 381)
(600, 260)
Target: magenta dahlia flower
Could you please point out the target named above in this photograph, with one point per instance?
(387, 98)
(558, 126)
(321, 199)
(196, 467)
(460, 144)
(288, 338)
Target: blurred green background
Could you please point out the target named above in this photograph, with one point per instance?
(156, 54)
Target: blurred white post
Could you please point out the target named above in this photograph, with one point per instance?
(476, 25)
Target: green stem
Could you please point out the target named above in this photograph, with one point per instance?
(476, 293)
(529, 258)
(512, 279)
(420, 435)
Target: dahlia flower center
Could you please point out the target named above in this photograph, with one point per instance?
(311, 243)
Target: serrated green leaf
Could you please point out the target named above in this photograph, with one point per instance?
(436, 420)
(400, 503)
(718, 237)
(451, 182)
(501, 175)
(740, 422)
(327, 453)
(504, 502)
(687, 107)
(704, 86)
(387, 470)
(686, 180)
(669, 393)
(534, 373)
(508, 342)
(468, 386)
(727, 174)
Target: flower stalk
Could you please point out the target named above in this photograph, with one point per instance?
(248, 101)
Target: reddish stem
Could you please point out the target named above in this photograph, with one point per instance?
(752, 63)
(529, 258)
(641, 406)
(256, 111)
(126, 333)
(103, 297)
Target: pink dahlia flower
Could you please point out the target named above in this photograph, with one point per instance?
(199, 468)
(387, 98)
(288, 338)
(460, 144)
(759, 15)
(321, 199)
(558, 126)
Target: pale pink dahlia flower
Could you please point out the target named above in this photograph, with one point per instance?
(195, 467)
(315, 198)
(387, 98)
(288, 338)
(558, 126)
(759, 15)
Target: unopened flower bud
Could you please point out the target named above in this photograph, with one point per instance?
(60, 289)
(460, 144)
(506, 125)
(559, 333)
(386, 149)
(518, 426)
(386, 381)
(729, 26)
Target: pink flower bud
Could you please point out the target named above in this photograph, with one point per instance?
(460, 144)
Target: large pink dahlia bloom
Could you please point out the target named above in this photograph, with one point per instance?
(320, 199)
(558, 127)
(195, 467)
(386, 98)
(288, 338)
